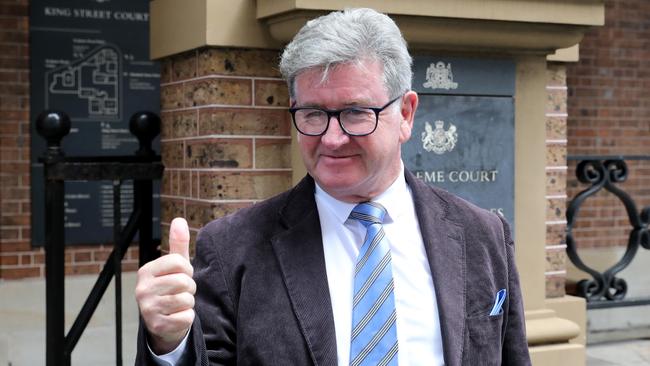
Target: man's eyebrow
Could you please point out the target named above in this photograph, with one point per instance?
(364, 103)
(345, 105)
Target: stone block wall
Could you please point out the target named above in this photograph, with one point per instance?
(556, 175)
(226, 133)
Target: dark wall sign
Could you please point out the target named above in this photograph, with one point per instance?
(90, 59)
(463, 136)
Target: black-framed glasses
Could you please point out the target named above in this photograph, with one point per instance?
(354, 121)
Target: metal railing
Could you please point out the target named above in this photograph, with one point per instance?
(143, 167)
(605, 289)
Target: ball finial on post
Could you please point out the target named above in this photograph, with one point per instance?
(53, 125)
(145, 126)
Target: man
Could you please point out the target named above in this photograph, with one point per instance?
(360, 263)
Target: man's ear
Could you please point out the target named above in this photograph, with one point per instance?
(407, 114)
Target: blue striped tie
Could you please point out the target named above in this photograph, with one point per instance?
(374, 335)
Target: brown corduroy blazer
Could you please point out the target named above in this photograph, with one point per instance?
(263, 297)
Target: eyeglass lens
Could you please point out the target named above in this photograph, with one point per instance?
(353, 120)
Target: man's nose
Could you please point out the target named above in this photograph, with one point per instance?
(334, 136)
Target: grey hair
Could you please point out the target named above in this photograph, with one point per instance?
(351, 35)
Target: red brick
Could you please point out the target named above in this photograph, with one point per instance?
(13, 9)
(9, 76)
(9, 233)
(13, 102)
(84, 256)
(15, 246)
(129, 266)
(9, 128)
(15, 220)
(9, 259)
(25, 233)
(101, 255)
(39, 258)
(9, 208)
(15, 193)
(133, 251)
(18, 273)
(78, 269)
(13, 89)
(14, 63)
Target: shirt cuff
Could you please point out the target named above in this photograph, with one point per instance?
(171, 358)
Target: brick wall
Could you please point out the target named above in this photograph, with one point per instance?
(14, 137)
(225, 133)
(609, 113)
(17, 257)
(556, 175)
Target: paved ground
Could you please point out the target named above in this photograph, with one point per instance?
(22, 323)
(625, 353)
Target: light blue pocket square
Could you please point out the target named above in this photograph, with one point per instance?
(497, 308)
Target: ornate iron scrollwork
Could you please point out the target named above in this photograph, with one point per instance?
(604, 174)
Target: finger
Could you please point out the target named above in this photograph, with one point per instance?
(171, 304)
(172, 326)
(179, 238)
(181, 320)
(167, 264)
(172, 284)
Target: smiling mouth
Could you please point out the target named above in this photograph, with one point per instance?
(335, 157)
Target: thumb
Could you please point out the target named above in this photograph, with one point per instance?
(179, 238)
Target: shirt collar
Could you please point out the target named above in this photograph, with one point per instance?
(394, 199)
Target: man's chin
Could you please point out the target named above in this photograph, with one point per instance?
(342, 188)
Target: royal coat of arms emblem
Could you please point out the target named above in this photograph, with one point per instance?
(439, 76)
(438, 140)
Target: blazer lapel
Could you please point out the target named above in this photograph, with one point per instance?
(299, 251)
(445, 248)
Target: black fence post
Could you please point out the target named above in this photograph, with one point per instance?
(117, 268)
(145, 126)
(142, 168)
(53, 126)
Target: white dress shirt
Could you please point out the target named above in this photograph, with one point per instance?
(418, 324)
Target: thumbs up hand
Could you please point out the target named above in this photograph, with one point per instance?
(165, 292)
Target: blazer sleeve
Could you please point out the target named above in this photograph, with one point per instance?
(515, 346)
(214, 329)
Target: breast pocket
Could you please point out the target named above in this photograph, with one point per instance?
(483, 340)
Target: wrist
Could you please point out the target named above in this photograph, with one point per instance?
(164, 345)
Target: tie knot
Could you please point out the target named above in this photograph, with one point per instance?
(368, 213)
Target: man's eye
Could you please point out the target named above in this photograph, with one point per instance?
(358, 113)
(313, 114)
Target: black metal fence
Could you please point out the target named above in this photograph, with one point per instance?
(143, 168)
(605, 289)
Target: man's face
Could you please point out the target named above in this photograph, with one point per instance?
(354, 168)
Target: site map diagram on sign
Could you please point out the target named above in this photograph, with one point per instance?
(91, 84)
(90, 59)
